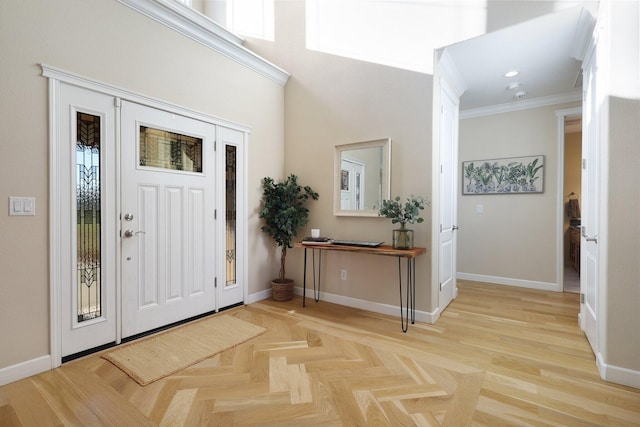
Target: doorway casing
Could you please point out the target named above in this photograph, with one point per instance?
(59, 213)
(562, 116)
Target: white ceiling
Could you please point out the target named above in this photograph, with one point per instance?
(547, 51)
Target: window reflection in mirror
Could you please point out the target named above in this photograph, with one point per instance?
(361, 177)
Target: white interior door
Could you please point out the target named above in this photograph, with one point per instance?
(167, 219)
(352, 184)
(448, 196)
(85, 161)
(589, 253)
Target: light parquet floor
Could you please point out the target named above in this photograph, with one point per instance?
(498, 356)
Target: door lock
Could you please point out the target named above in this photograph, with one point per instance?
(128, 216)
(131, 233)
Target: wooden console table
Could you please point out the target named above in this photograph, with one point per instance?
(385, 250)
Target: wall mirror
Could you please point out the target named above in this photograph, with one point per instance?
(362, 177)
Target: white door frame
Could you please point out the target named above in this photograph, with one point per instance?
(560, 211)
(445, 74)
(59, 213)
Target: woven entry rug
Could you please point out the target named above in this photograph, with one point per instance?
(156, 357)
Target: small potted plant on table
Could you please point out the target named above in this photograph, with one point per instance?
(284, 212)
(399, 213)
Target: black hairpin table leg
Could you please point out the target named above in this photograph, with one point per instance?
(410, 309)
(316, 289)
(304, 279)
(413, 288)
(316, 294)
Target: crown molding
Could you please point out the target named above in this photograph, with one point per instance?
(522, 105)
(584, 31)
(451, 72)
(200, 28)
(100, 87)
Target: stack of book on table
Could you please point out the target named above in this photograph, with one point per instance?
(317, 241)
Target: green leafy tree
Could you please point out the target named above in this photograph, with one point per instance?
(284, 212)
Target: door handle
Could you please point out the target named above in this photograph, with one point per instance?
(454, 227)
(131, 233)
(588, 238)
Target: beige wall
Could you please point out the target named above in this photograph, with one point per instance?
(329, 100)
(515, 237)
(620, 246)
(105, 41)
(334, 100)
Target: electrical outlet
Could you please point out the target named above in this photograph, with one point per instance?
(343, 274)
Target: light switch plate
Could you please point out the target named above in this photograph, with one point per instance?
(22, 206)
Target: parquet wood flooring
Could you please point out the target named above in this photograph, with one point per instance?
(498, 356)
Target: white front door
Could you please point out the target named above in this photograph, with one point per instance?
(84, 160)
(134, 243)
(590, 214)
(448, 196)
(167, 218)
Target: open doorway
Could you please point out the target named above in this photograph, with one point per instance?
(572, 196)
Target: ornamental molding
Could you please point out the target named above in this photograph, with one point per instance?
(202, 29)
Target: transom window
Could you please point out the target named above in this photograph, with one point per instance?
(170, 150)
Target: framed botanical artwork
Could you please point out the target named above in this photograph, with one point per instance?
(512, 175)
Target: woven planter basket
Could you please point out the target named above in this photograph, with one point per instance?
(282, 290)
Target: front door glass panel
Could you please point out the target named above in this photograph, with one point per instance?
(170, 150)
(88, 242)
(230, 217)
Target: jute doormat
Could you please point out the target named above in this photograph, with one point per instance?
(161, 355)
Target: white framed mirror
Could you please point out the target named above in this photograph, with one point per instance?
(362, 177)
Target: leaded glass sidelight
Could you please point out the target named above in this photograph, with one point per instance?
(231, 209)
(88, 240)
(170, 150)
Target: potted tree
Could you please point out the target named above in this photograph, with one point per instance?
(284, 212)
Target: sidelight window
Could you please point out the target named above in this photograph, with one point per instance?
(88, 214)
(231, 213)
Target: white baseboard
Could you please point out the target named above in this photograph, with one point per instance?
(531, 284)
(616, 374)
(258, 296)
(24, 369)
(376, 307)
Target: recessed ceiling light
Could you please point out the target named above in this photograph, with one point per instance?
(512, 73)
(513, 86)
